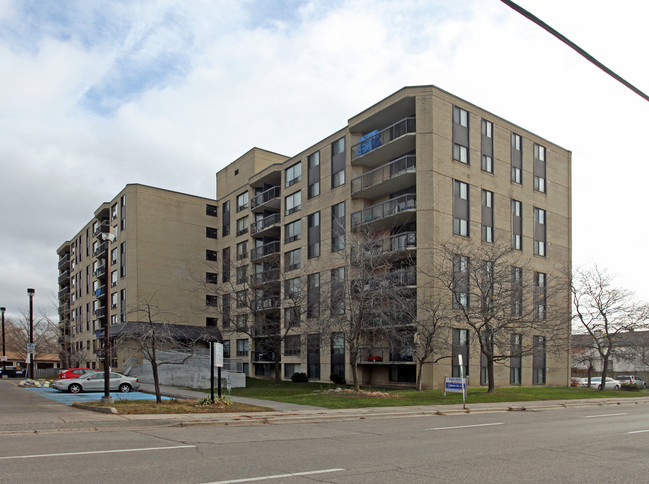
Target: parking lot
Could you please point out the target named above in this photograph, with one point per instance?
(70, 398)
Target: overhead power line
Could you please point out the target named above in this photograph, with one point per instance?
(574, 46)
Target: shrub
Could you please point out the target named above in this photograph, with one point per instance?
(337, 379)
(299, 378)
(630, 387)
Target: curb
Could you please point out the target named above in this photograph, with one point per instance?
(93, 408)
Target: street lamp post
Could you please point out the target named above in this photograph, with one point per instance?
(31, 330)
(108, 238)
(4, 352)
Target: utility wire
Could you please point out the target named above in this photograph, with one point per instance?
(574, 46)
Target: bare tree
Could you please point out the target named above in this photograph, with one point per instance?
(151, 333)
(17, 335)
(485, 286)
(605, 311)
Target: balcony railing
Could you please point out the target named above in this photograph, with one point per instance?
(100, 312)
(102, 228)
(391, 170)
(264, 277)
(100, 271)
(64, 293)
(271, 302)
(265, 250)
(263, 356)
(64, 276)
(265, 197)
(101, 248)
(384, 209)
(386, 282)
(63, 261)
(376, 139)
(385, 245)
(387, 354)
(264, 223)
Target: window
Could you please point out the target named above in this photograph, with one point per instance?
(460, 135)
(242, 201)
(516, 347)
(211, 255)
(293, 231)
(211, 210)
(539, 232)
(294, 174)
(226, 348)
(517, 158)
(338, 291)
(539, 295)
(460, 347)
(313, 235)
(211, 322)
(226, 265)
(290, 369)
(292, 317)
(337, 344)
(242, 225)
(460, 281)
(122, 204)
(225, 208)
(313, 296)
(460, 208)
(292, 260)
(113, 278)
(313, 174)
(487, 146)
(113, 212)
(517, 225)
(292, 288)
(242, 274)
(292, 346)
(242, 347)
(225, 310)
(122, 259)
(538, 360)
(338, 227)
(242, 299)
(293, 203)
(487, 216)
(517, 291)
(242, 250)
(539, 168)
(211, 301)
(338, 163)
(211, 278)
(242, 322)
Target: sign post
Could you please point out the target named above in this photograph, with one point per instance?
(216, 360)
(457, 384)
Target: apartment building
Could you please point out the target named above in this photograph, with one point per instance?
(414, 171)
(146, 244)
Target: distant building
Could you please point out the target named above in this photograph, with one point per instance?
(630, 355)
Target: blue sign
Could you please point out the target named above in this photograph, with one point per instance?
(455, 385)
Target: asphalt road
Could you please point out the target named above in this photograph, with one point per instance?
(583, 444)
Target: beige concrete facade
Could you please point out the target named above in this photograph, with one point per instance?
(414, 124)
(158, 254)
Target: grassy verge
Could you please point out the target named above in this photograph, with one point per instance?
(150, 407)
(326, 395)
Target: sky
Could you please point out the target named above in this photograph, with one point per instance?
(96, 95)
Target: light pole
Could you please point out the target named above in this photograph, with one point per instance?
(4, 353)
(31, 331)
(107, 238)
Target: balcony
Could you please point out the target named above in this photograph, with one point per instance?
(263, 357)
(389, 178)
(100, 271)
(102, 228)
(377, 146)
(389, 247)
(101, 248)
(64, 293)
(64, 277)
(266, 226)
(64, 261)
(100, 291)
(266, 200)
(100, 312)
(266, 303)
(386, 354)
(266, 250)
(393, 212)
(382, 283)
(265, 277)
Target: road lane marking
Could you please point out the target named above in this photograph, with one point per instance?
(144, 449)
(278, 476)
(468, 426)
(605, 415)
(637, 431)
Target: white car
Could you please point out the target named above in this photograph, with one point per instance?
(94, 382)
(596, 382)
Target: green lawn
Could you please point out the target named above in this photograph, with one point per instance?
(325, 395)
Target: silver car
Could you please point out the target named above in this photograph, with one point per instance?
(94, 382)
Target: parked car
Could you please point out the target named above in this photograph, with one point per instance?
(577, 382)
(13, 371)
(94, 382)
(631, 379)
(74, 373)
(596, 382)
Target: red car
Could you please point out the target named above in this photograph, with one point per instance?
(74, 373)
